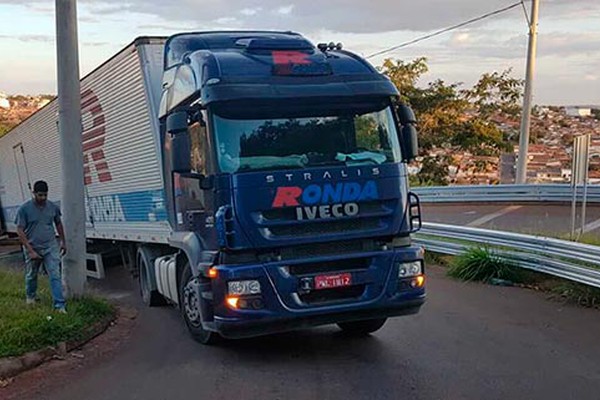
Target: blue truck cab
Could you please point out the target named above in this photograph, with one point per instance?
(285, 171)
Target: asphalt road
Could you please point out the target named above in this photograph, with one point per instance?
(549, 220)
(470, 341)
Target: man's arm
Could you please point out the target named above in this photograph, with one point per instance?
(61, 236)
(61, 231)
(25, 242)
(21, 222)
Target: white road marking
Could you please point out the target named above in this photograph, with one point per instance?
(592, 226)
(487, 218)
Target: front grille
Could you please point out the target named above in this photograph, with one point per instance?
(325, 227)
(329, 266)
(331, 248)
(333, 295)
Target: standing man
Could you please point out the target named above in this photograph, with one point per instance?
(35, 225)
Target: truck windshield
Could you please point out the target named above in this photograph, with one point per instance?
(288, 143)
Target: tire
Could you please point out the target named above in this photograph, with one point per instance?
(190, 309)
(150, 296)
(362, 328)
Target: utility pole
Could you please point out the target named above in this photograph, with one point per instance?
(526, 113)
(71, 151)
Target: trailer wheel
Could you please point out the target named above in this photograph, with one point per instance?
(190, 308)
(362, 328)
(150, 295)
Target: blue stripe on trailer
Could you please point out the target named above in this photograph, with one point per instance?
(148, 206)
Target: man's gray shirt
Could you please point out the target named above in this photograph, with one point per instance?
(38, 223)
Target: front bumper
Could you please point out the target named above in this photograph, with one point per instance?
(243, 329)
(382, 294)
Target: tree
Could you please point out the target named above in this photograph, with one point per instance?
(495, 93)
(454, 120)
(4, 128)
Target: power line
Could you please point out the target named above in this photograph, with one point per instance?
(451, 28)
(526, 13)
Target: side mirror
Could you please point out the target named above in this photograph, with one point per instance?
(409, 143)
(177, 122)
(407, 133)
(406, 115)
(180, 142)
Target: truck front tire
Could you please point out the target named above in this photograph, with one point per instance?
(190, 308)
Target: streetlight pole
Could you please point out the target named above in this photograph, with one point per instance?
(526, 114)
(69, 123)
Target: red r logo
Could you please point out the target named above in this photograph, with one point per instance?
(93, 139)
(287, 196)
(290, 57)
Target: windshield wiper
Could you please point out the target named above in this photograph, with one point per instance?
(247, 168)
(361, 157)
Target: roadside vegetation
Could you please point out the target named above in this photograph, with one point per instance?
(484, 265)
(25, 328)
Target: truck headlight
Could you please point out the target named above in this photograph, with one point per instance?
(243, 288)
(410, 269)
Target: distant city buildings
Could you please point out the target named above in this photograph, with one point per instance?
(549, 156)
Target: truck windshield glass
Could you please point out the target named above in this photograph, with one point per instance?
(264, 144)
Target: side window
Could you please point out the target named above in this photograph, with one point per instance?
(198, 148)
(192, 197)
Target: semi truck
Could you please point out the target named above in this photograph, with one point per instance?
(253, 180)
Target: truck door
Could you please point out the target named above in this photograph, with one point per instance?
(22, 172)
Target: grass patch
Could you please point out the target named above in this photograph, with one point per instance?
(25, 328)
(483, 264)
(577, 293)
(586, 238)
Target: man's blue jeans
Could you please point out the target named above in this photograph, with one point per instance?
(51, 260)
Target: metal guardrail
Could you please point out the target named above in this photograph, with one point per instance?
(505, 193)
(561, 258)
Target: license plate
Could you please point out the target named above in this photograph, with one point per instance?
(332, 281)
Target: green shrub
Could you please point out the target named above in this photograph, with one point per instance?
(483, 264)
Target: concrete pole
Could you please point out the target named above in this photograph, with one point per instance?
(525, 119)
(71, 151)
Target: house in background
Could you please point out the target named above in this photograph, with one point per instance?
(4, 103)
(576, 111)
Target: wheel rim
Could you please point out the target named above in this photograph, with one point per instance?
(191, 302)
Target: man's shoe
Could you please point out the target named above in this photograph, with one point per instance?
(31, 302)
(61, 310)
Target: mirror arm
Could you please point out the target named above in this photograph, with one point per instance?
(205, 182)
(193, 175)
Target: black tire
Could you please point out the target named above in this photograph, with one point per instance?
(150, 296)
(362, 328)
(190, 309)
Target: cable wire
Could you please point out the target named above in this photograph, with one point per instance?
(451, 28)
(526, 13)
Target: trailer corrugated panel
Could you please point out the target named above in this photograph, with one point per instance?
(122, 167)
(29, 153)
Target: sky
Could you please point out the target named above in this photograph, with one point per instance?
(568, 62)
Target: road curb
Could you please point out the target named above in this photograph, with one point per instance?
(12, 366)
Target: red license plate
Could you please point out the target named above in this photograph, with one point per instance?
(332, 281)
